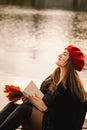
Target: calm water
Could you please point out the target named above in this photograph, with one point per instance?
(30, 41)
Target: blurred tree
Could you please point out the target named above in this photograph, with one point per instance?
(75, 4)
(41, 4)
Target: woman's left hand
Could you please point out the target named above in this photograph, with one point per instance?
(25, 99)
(38, 102)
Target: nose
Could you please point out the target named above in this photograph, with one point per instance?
(60, 55)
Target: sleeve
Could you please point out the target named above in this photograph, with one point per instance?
(45, 85)
(86, 106)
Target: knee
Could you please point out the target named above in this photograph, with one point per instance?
(25, 108)
(12, 105)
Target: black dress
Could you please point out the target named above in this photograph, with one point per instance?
(63, 112)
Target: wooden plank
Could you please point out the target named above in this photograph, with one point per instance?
(85, 125)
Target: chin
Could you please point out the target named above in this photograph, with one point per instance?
(57, 63)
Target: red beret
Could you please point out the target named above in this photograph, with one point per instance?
(77, 57)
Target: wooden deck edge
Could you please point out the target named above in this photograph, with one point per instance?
(85, 125)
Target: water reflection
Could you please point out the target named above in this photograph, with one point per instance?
(30, 40)
(79, 30)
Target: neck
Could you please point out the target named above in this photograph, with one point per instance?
(62, 74)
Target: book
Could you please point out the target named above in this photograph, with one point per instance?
(31, 89)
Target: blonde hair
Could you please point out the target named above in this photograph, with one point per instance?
(71, 79)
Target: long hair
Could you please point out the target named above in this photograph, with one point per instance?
(70, 81)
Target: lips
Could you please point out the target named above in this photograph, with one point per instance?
(59, 59)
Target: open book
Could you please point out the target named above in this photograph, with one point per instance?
(31, 90)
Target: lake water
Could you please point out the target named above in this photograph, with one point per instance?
(30, 41)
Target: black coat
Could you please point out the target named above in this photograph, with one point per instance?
(63, 112)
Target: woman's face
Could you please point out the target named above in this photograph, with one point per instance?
(63, 58)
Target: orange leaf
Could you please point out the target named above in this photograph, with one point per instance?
(13, 93)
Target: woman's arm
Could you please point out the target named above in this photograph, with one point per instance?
(25, 99)
(38, 102)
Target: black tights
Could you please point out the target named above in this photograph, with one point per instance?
(14, 115)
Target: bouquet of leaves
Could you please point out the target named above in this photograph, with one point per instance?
(13, 93)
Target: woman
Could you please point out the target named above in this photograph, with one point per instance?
(64, 104)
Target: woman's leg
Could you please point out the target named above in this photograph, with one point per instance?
(35, 121)
(4, 113)
(26, 125)
(16, 118)
(22, 112)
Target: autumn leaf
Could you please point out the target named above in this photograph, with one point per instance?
(13, 93)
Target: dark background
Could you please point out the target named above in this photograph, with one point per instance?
(43, 4)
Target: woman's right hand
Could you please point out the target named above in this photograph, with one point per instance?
(25, 99)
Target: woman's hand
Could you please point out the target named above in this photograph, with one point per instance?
(25, 99)
(38, 102)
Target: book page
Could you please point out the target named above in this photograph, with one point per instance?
(32, 89)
